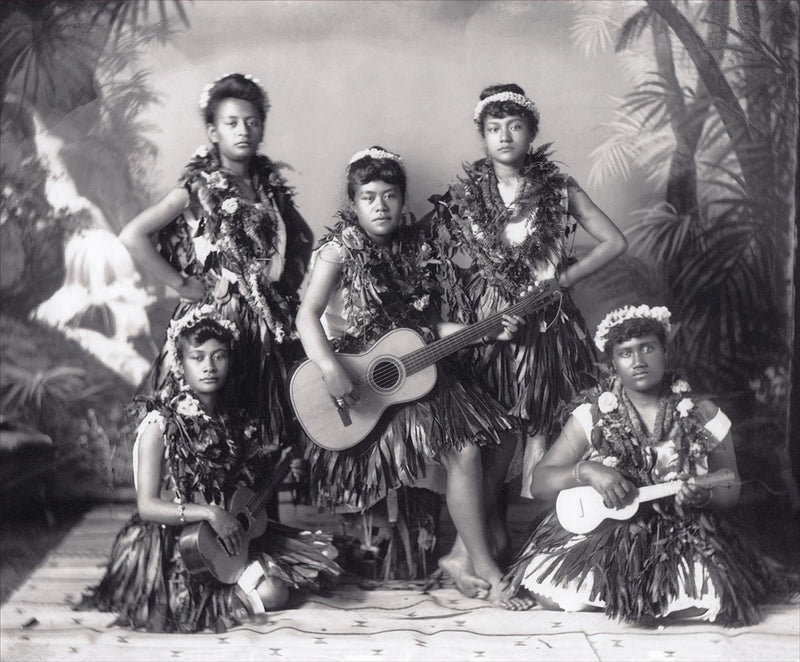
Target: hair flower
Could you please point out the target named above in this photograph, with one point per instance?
(201, 151)
(230, 206)
(607, 402)
(660, 314)
(684, 407)
(351, 237)
(476, 231)
(680, 386)
(611, 461)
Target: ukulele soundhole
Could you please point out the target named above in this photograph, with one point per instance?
(385, 375)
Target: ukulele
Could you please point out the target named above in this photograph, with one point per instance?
(581, 509)
(398, 368)
(203, 551)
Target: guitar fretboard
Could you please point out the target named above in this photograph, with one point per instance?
(425, 356)
(660, 490)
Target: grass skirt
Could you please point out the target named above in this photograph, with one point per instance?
(639, 569)
(534, 376)
(454, 414)
(148, 586)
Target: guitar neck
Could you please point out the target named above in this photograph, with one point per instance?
(437, 350)
(661, 490)
(262, 496)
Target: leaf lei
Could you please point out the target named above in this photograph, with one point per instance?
(386, 286)
(245, 232)
(621, 434)
(478, 217)
(206, 454)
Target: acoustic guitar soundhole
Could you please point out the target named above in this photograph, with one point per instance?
(385, 375)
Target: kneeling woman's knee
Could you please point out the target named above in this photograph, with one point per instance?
(273, 592)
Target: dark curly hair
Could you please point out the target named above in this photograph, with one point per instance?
(506, 108)
(368, 169)
(636, 327)
(205, 329)
(235, 86)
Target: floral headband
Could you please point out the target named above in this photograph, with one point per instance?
(205, 95)
(375, 153)
(660, 314)
(191, 319)
(513, 97)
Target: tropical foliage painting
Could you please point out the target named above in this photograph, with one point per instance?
(712, 123)
(709, 126)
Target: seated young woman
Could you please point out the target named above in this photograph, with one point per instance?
(677, 556)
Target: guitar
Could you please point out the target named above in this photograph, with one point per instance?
(203, 552)
(398, 368)
(581, 509)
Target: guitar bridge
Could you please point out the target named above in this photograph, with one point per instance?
(344, 414)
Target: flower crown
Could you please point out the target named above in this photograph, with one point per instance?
(191, 319)
(374, 153)
(660, 314)
(205, 95)
(519, 99)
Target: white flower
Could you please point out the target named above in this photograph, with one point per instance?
(188, 406)
(351, 237)
(476, 231)
(280, 334)
(684, 407)
(680, 386)
(201, 151)
(203, 248)
(660, 314)
(230, 206)
(515, 233)
(421, 303)
(611, 461)
(217, 180)
(607, 402)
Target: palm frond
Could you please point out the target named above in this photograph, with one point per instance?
(633, 28)
(591, 30)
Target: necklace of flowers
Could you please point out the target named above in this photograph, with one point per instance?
(622, 440)
(207, 453)
(245, 232)
(385, 286)
(481, 216)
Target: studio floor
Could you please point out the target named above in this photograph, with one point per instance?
(38, 623)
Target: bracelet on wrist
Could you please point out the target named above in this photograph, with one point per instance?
(577, 472)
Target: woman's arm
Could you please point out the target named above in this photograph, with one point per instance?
(136, 238)
(562, 468)
(611, 243)
(153, 508)
(321, 286)
(511, 325)
(722, 456)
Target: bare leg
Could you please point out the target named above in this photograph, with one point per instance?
(496, 460)
(466, 507)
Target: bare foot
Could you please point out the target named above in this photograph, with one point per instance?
(522, 601)
(460, 570)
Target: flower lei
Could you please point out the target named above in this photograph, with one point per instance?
(206, 454)
(621, 438)
(243, 234)
(478, 217)
(386, 286)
